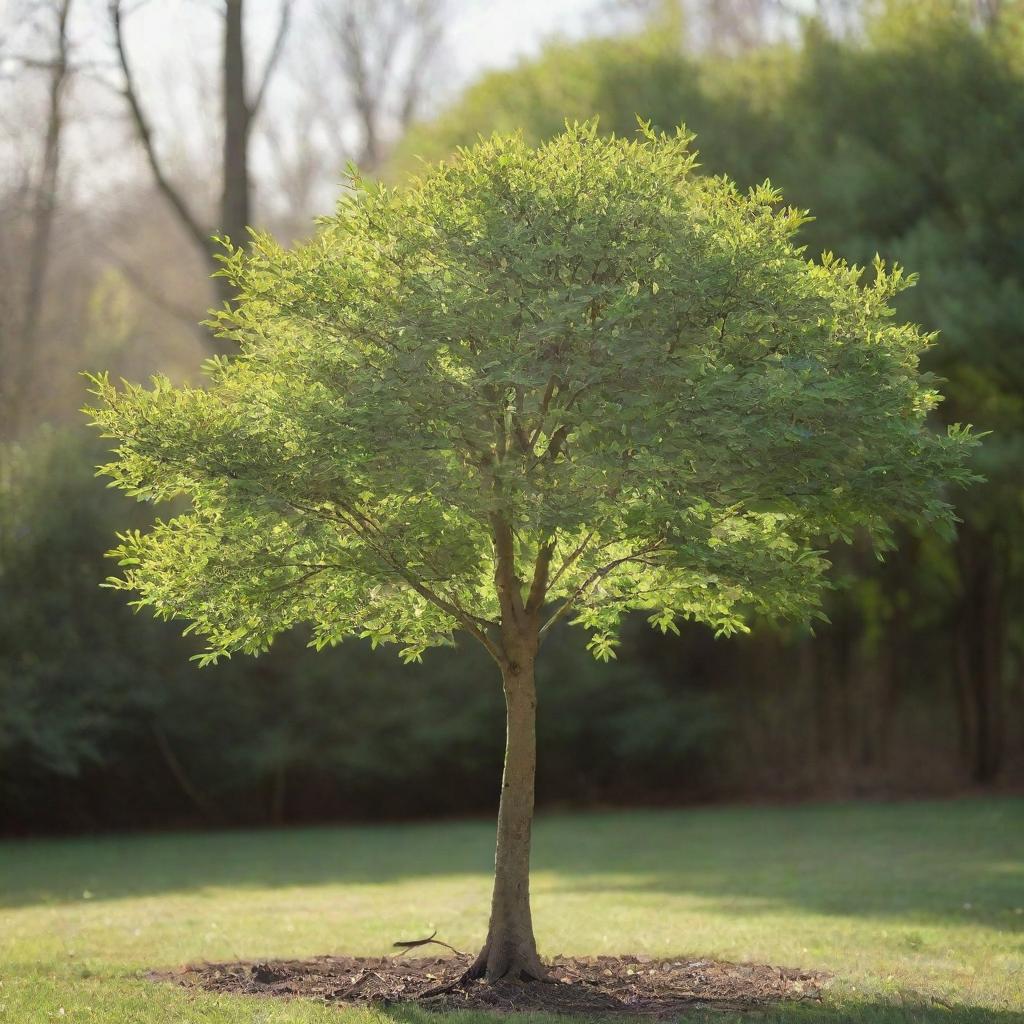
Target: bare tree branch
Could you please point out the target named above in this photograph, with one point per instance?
(145, 133)
(274, 58)
(425, 48)
(139, 282)
(204, 805)
(385, 50)
(596, 576)
(44, 209)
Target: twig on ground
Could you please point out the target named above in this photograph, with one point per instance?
(407, 944)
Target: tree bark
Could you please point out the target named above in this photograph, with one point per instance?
(235, 197)
(23, 363)
(511, 950)
(234, 209)
(238, 112)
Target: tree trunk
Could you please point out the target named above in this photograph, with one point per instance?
(979, 645)
(23, 363)
(511, 950)
(234, 207)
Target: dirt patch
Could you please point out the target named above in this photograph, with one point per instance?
(635, 985)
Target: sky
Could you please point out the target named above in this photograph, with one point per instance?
(496, 33)
(174, 47)
(481, 33)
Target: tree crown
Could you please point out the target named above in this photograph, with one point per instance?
(573, 380)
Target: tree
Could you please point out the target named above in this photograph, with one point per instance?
(22, 357)
(385, 51)
(367, 69)
(378, 54)
(240, 110)
(863, 129)
(881, 190)
(571, 381)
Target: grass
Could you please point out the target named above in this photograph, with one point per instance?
(917, 908)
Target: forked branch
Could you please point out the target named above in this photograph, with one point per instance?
(272, 60)
(145, 133)
(539, 587)
(595, 577)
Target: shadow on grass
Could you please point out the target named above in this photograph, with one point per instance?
(782, 1013)
(952, 861)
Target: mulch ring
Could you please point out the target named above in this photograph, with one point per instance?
(635, 985)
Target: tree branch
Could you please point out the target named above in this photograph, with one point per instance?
(472, 624)
(43, 213)
(359, 525)
(206, 807)
(274, 57)
(145, 134)
(539, 587)
(571, 557)
(506, 582)
(549, 392)
(139, 282)
(595, 577)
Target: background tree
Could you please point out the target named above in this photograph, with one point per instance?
(21, 334)
(239, 105)
(385, 52)
(576, 380)
(360, 79)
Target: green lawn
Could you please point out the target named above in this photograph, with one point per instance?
(917, 908)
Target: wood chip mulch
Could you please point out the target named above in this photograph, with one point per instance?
(602, 985)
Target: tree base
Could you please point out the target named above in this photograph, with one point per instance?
(586, 986)
(505, 963)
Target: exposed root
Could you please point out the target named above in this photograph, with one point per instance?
(495, 963)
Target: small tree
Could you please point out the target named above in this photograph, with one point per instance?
(575, 381)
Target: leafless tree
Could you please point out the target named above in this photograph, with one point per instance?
(240, 107)
(736, 26)
(23, 325)
(989, 13)
(385, 50)
(841, 18)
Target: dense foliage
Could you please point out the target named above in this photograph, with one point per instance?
(626, 368)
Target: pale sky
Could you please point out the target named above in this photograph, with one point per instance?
(481, 34)
(495, 33)
(174, 51)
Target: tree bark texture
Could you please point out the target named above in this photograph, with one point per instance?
(234, 211)
(25, 359)
(511, 950)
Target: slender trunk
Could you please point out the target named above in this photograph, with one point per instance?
(25, 360)
(511, 950)
(206, 807)
(980, 642)
(234, 209)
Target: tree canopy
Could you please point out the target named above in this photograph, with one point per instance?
(619, 379)
(895, 137)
